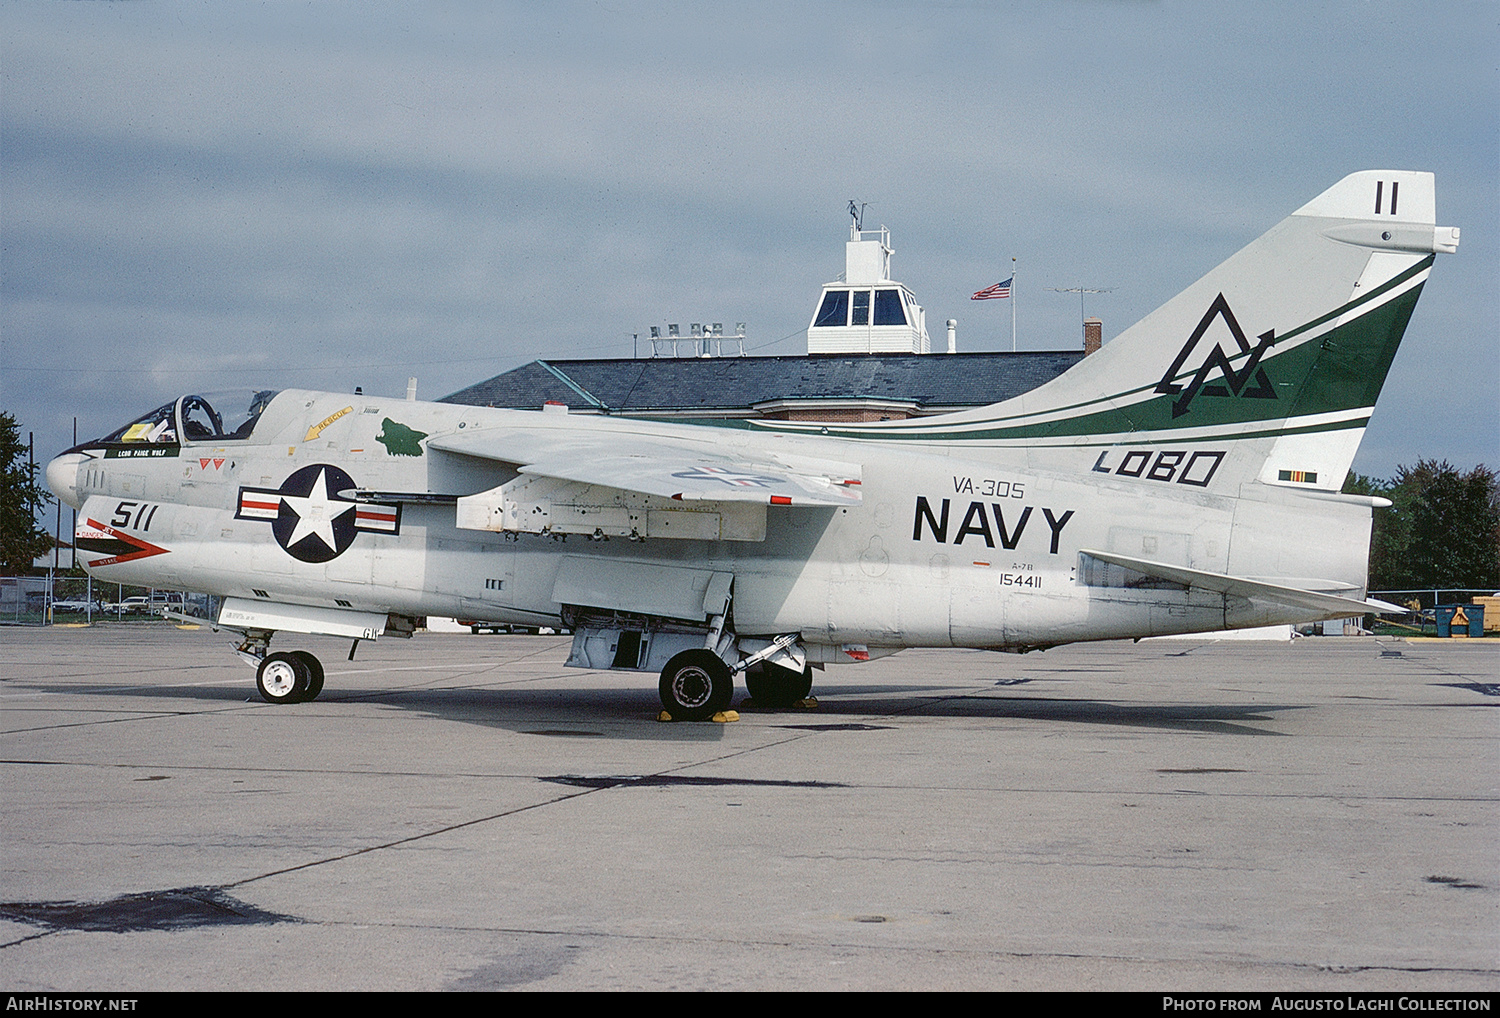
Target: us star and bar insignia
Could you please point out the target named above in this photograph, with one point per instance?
(313, 517)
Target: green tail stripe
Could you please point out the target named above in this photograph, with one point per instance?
(1241, 356)
(1276, 431)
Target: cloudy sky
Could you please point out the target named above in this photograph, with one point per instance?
(206, 196)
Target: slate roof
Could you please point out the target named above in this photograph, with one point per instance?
(934, 382)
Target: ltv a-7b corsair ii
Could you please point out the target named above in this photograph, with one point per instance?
(1183, 479)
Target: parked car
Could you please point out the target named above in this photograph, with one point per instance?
(167, 599)
(138, 605)
(144, 604)
(77, 605)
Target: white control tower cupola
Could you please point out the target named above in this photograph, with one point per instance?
(866, 311)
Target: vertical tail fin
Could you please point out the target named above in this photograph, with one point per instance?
(1286, 344)
(1275, 357)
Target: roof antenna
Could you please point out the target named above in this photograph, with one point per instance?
(1081, 290)
(857, 213)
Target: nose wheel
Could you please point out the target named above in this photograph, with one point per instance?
(291, 677)
(314, 673)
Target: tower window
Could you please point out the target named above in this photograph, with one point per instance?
(888, 309)
(835, 309)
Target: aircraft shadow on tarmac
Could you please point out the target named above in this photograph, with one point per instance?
(619, 712)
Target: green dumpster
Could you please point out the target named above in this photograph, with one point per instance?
(1460, 620)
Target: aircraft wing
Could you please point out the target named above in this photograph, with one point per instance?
(679, 470)
(1239, 586)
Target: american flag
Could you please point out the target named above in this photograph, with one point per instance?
(997, 292)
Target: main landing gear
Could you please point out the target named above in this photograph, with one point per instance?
(697, 684)
(774, 686)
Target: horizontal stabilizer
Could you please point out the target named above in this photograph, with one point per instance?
(1330, 605)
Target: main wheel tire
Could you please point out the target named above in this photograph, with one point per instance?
(696, 685)
(282, 678)
(774, 686)
(314, 673)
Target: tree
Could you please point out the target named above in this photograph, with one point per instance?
(1441, 532)
(1454, 523)
(21, 499)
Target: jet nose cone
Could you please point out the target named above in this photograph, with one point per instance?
(62, 478)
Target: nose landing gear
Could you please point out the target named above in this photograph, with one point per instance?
(282, 678)
(292, 677)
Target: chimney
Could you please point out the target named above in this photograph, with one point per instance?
(1093, 335)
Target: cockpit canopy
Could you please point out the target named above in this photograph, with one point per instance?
(212, 417)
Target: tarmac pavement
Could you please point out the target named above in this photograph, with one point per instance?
(463, 812)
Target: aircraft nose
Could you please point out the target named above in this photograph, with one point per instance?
(62, 478)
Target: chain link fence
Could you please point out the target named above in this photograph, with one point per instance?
(1421, 618)
(25, 600)
(48, 600)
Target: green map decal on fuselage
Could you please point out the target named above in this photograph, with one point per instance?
(399, 440)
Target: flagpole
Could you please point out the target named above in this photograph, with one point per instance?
(1013, 305)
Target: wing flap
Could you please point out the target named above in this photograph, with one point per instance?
(663, 467)
(701, 478)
